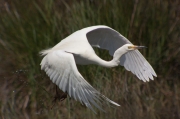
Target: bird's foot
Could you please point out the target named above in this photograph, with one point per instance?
(61, 97)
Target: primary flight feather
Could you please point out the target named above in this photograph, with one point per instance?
(59, 62)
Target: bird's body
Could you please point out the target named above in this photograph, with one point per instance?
(60, 61)
(80, 48)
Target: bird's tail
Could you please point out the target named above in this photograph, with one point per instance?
(44, 52)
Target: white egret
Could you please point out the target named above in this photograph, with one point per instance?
(59, 62)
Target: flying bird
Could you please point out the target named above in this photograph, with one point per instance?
(59, 62)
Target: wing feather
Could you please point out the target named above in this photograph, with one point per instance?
(138, 70)
(109, 39)
(61, 68)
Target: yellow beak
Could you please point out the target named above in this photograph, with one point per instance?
(137, 47)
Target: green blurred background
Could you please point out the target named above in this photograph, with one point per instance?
(28, 26)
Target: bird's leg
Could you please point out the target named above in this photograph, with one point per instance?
(59, 97)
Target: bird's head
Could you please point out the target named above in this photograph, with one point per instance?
(124, 49)
(129, 47)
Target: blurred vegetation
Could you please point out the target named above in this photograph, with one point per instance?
(27, 27)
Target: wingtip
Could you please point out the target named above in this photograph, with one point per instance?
(113, 102)
(117, 104)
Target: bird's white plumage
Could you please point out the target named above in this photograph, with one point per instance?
(109, 39)
(60, 61)
(61, 68)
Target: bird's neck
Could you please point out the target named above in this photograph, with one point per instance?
(118, 53)
(114, 62)
(104, 63)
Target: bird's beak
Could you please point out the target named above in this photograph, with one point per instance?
(138, 47)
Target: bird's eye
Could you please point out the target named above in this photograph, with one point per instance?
(129, 47)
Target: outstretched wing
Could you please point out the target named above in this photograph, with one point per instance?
(61, 68)
(109, 39)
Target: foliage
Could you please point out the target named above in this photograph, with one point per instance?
(27, 27)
